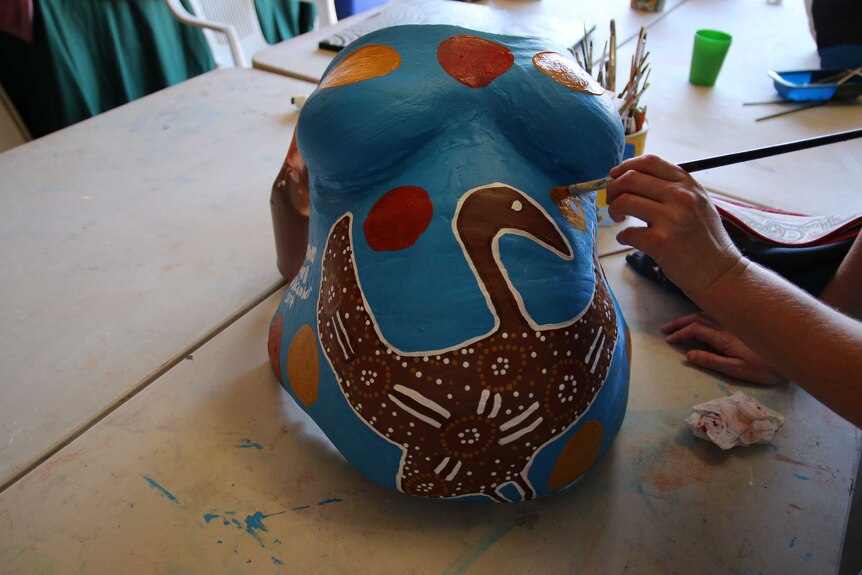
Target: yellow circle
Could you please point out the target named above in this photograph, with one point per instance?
(578, 455)
(303, 365)
(367, 62)
(566, 72)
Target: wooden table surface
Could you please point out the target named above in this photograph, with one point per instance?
(688, 122)
(127, 239)
(300, 57)
(214, 469)
(137, 433)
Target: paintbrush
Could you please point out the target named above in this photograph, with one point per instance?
(576, 190)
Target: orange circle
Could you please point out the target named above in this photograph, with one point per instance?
(303, 365)
(366, 63)
(578, 455)
(567, 72)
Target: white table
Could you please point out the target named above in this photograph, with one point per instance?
(688, 122)
(300, 57)
(125, 241)
(213, 468)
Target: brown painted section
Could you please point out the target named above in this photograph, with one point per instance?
(366, 63)
(566, 72)
(457, 414)
(289, 205)
(482, 215)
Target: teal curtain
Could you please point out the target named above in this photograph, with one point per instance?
(90, 56)
(283, 19)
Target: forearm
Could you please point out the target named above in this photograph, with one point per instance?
(843, 292)
(814, 345)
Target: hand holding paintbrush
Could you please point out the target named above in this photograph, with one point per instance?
(809, 342)
(679, 215)
(734, 158)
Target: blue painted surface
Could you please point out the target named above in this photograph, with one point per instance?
(417, 126)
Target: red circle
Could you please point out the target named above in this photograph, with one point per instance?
(398, 218)
(474, 61)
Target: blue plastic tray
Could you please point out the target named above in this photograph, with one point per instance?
(802, 86)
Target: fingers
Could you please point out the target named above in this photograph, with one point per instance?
(640, 207)
(734, 367)
(715, 338)
(731, 366)
(651, 165)
(683, 321)
(640, 183)
(638, 237)
(731, 357)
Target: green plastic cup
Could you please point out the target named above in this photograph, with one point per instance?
(710, 48)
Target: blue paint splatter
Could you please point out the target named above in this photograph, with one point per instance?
(330, 500)
(772, 446)
(722, 387)
(301, 507)
(253, 523)
(249, 444)
(809, 556)
(161, 489)
(465, 561)
(802, 477)
(645, 498)
(278, 563)
(792, 543)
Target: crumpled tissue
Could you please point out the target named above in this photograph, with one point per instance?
(734, 420)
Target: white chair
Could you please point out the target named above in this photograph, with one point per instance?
(231, 27)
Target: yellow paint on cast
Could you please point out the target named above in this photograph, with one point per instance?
(303, 365)
(578, 455)
(567, 72)
(366, 63)
(570, 207)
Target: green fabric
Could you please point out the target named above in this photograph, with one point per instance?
(90, 56)
(281, 19)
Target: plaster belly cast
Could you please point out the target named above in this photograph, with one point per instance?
(448, 325)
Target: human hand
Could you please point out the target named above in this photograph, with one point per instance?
(684, 234)
(731, 356)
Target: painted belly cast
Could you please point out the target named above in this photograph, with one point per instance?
(451, 330)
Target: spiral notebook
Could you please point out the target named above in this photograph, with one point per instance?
(475, 16)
